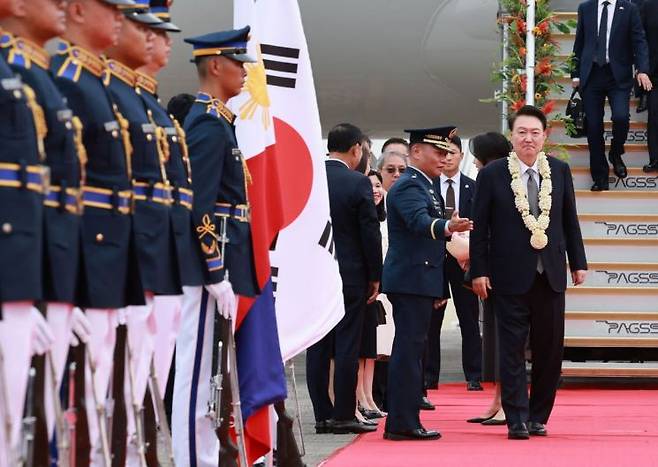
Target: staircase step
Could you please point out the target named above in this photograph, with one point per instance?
(637, 133)
(640, 299)
(610, 369)
(623, 250)
(598, 342)
(566, 15)
(612, 274)
(636, 180)
(564, 41)
(628, 202)
(618, 225)
(579, 156)
(611, 324)
(561, 105)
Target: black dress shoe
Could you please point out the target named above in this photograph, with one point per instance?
(537, 429)
(369, 422)
(618, 166)
(474, 386)
(600, 186)
(425, 404)
(650, 167)
(342, 427)
(494, 422)
(419, 434)
(479, 419)
(371, 414)
(325, 426)
(518, 431)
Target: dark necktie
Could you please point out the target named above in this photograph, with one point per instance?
(450, 199)
(533, 201)
(601, 41)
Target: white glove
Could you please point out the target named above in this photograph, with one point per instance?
(80, 327)
(42, 336)
(226, 301)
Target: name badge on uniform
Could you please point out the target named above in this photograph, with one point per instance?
(11, 84)
(64, 115)
(148, 128)
(171, 131)
(111, 126)
(237, 154)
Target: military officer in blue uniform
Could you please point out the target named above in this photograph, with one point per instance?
(153, 199)
(221, 211)
(179, 173)
(110, 277)
(65, 157)
(23, 181)
(413, 274)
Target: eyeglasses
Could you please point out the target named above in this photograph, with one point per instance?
(392, 170)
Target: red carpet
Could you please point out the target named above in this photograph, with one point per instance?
(588, 427)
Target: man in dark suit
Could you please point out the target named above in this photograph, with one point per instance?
(413, 275)
(457, 191)
(526, 274)
(609, 40)
(359, 252)
(649, 16)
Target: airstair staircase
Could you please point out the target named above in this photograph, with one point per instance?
(611, 327)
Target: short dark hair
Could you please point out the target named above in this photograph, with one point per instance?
(457, 142)
(529, 111)
(395, 140)
(488, 147)
(374, 173)
(179, 106)
(381, 207)
(343, 136)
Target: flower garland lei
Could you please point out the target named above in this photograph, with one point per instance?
(536, 225)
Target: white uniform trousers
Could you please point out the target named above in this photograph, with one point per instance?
(16, 330)
(101, 349)
(58, 316)
(167, 322)
(140, 322)
(194, 440)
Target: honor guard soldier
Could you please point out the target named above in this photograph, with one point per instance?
(413, 274)
(23, 181)
(221, 217)
(23, 44)
(179, 173)
(110, 274)
(152, 221)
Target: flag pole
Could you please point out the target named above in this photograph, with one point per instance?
(530, 54)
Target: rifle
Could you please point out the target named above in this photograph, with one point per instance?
(4, 407)
(235, 389)
(28, 424)
(100, 412)
(71, 416)
(61, 430)
(228, 451)
(162, 415)
(287, 451)
(137, 409)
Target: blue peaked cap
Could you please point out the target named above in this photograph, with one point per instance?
(232, 44)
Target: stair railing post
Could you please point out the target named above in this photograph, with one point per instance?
(530, 54)
(504, 28)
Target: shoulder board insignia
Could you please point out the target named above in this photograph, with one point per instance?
(77, 59)
(122, 72)
(215, 107)
(24, 53)
(147, 83)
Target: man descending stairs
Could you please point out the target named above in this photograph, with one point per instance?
(611, 324)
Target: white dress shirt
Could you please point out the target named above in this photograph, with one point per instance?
(525, 176)
(456, 183)
(611, 14)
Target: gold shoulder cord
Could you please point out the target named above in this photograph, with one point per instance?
(162, 146)
(182, 141)
(39, 119)
(124, 126)
(80, 147)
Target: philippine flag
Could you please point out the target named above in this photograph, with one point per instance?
(278, 131)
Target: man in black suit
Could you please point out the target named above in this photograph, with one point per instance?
(609, 40)
(359, 252)
(457, 191)
(649, 16)
(526, 274)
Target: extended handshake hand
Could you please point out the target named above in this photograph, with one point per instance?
(459, 224)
